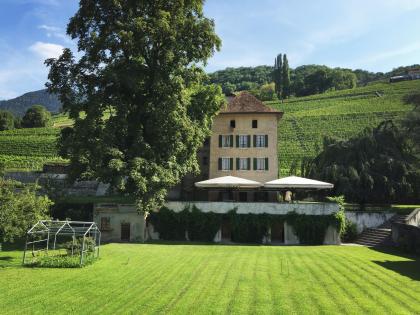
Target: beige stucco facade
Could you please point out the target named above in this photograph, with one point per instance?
(267, 125)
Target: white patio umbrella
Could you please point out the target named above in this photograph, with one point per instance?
(297, 182)
(228, 182)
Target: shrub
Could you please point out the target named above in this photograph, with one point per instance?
(62, 261)
(350, 233)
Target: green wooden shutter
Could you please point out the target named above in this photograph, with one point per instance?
(248, 163)
(231, 141)
(255, 164)
(237, 163)
(249, 141)
(266, 164)
(220, 164)
(255, 141)
(266, 141)
(220, 141)
(237, 141)
(231, 164)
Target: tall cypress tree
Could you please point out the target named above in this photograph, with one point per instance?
(285, 78)
(277, 75)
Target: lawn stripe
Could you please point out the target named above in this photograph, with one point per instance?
(349, 293)
(327, 300)
(198, 298)
(396, 279)
(168, 274)
(402, 297)
(367, 287)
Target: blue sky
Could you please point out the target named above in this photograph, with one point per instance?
(375, 35)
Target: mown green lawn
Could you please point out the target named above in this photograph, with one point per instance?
(202, 279)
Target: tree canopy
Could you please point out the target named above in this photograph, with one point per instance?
(7, 120)
(36, 117)
(19, 210)
(412, 121)
(379, 166)
(139, 65)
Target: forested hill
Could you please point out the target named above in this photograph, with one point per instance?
(19, 105)
(305, 79)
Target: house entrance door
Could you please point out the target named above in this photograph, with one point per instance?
(125, 232)
(226, 234)
(277, 232)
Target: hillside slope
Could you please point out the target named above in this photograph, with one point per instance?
(306, 121)
(339, 114)
(19, 105)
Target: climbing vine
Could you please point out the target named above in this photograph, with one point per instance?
(245, 228)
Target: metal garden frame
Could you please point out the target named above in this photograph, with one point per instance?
(49, 230)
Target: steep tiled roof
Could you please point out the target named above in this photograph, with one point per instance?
(245, 102)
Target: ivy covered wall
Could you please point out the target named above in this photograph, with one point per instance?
(245, 228)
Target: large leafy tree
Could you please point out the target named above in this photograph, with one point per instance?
(19, 210)
(137, 93)
(378, 166)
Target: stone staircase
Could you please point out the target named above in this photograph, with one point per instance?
(381, 235)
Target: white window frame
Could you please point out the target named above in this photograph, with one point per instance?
(242, 162)
(260, 141)
(260, 162)
(243, 141)
(226, 141)
(226, 161)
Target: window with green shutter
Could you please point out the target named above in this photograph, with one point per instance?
(260, 141)
(226, 164)
(261, 164)
(243, 164)
(244, 141)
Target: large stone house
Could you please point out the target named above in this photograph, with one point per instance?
(243, 143)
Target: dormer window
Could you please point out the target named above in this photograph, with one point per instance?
(254, 123)
(232, 123)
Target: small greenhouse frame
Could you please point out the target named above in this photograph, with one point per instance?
(46, 238)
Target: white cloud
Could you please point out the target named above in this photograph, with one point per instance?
(49, 28)
(46, 50)
(385, 55)
(57, 32)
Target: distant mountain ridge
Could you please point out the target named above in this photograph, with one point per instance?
(20, 104)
